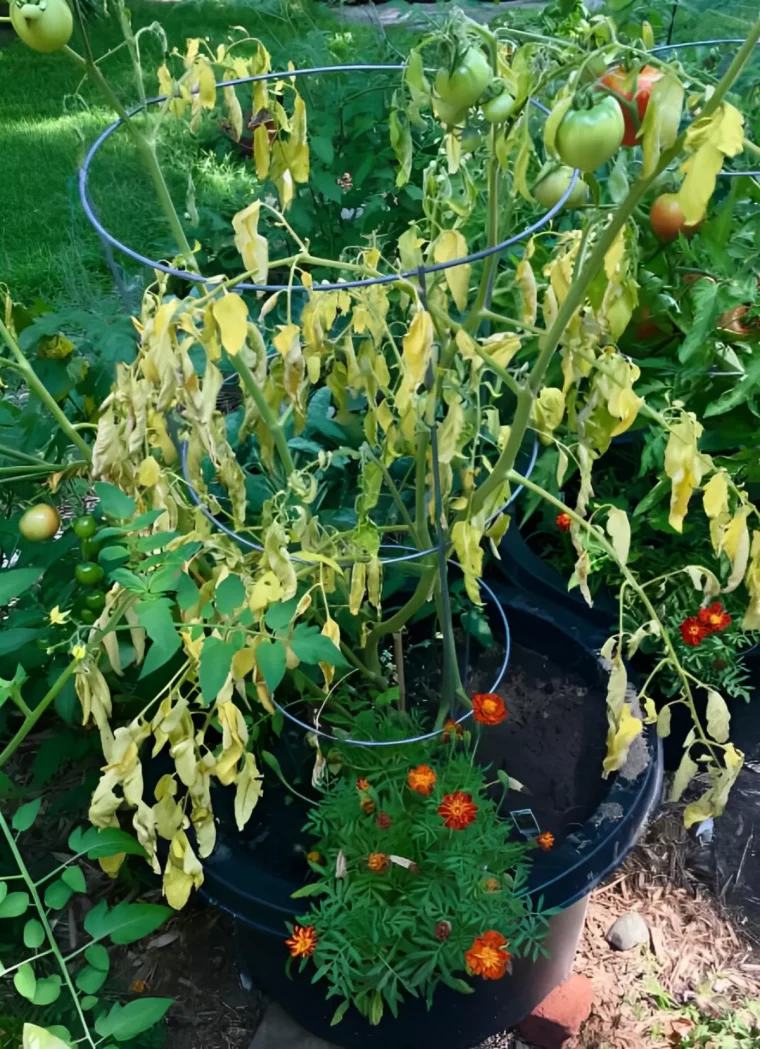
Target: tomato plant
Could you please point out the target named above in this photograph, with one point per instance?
(587, 138)
(39, 523)
(632, 88)
(44, 26)
(88, 573)
(668, 220)
(84, 527)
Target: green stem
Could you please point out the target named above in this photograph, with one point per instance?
(54, 948)
(262, 405)
(396, 495)
(498, 318)
(400, 618)
(147, 152)
(14, 453)
(37, 388)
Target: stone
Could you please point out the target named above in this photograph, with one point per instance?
(560, 1015)
(628, 931)
(278, 1031)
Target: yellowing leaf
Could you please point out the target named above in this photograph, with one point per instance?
(709, 140)
(684, 465)
(249, 788)
(659, 128)
(206, 84)
(715, 495)
(685, 773)
(619, 531)
(231, 314)
(735, 543)
(34, 1037)
(617, 686)
(663, 722)
(418, 349)
(182, 873)
(548, 410)
(149, 472)
(466, 539)
(287, 339)
(619, 740)
(525, 279)
(449, 246)
(261, 150)
(713, 801)
(234, 112)
(253, 248)
(718, 716)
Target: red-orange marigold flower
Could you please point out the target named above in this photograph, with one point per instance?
(545, 840)
(383, 821)
(422, 779)
(714, 618)
(303, 941)
(368, 806)
(488, 708)
(378, 862)
(458, 810)
(491, 885)
(487, 957)
(442, 931)
(563, 522)
(452, 731)
(362, 784)
(692, 631)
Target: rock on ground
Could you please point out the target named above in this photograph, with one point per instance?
(278, 1031)
(560, 1015)
(628, 931)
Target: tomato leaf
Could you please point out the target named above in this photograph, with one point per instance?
(15, 582)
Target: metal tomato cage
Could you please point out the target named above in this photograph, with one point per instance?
(411, 554)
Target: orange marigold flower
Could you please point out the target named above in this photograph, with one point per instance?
(458, 810)
(714, 618)
(488, 708)
(362, 784)
(303, 941)
(452, 731)
(368, 806)
(383, 821)
(692, 631)
(563, 522)
(491, 885)
(314, 856)
(378, 862)
(545, 840)
(487, 957)
(422, 779)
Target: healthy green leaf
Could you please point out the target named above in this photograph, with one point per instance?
(25, 981)
(57, 895)
(48, 990)
(90, 980)
(25, 815)
(230, 595)
(14, 905)
(272, 661)
(188, 593)
(215, 663)
(110, 841)
(127, 1021)
(16, 581)
(34, 934)
(98, 957)
(312, 647)
(113, 502)
(279, 615)
(156, 617)
(126, 922)
(74, 878)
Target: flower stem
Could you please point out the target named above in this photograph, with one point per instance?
(258, 398)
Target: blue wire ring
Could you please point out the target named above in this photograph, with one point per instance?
(89, 208)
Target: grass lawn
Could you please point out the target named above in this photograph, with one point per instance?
(47, 248)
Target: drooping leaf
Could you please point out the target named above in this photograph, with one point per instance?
(127, 1021)
(718, 716)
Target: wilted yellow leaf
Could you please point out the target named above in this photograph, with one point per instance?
(449, 246)
(149, 473)
(253, 248)
(619, 740)
(619, 531)
(715, 495)
(684, 465)
(710, 140)
(685, 773)
(718, 716)
(659, 129)
(249, 788)
(231, 314)
(466, 539)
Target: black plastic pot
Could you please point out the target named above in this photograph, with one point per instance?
(259, 898)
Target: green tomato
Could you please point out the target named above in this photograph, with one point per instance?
(552, 184)
(88, 573)
(96, 601)
(87, 616)
(587, 138)
(498, 109)
(45, 26)
(448, 113)
(84, 527)
(467, 82)
(39, 523)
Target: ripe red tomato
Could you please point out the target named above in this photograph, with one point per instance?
(667, 219)
(39, 523)
(587, 138)
(45, 26)
(624, 83)
(733, 321)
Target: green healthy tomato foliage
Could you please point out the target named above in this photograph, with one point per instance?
(587, 138)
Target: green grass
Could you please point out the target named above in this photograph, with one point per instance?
(47, 248)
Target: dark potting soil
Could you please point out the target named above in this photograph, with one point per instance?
(552, 742)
